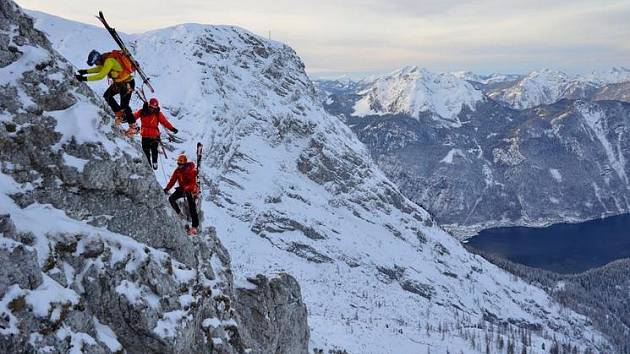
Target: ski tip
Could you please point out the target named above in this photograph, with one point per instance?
(100, 14)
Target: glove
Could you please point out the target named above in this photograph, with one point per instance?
(175, 131)
(165, 191)
(80, 77)
(83, 72)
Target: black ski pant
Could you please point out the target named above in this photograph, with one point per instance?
(150, 148)
(179, 193)
(125, 90)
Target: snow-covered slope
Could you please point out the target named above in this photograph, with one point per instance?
(290, 188)
(93, 261)
(413, 91)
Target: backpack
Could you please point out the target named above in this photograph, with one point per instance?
(127, 66)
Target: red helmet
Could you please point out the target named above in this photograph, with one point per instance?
(181, 159)
(154, 102)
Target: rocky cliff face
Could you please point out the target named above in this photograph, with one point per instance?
(92, 259)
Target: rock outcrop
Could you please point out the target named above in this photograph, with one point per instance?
(276, 311)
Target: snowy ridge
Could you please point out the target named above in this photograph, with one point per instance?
(548, 86)
(290, 188)
(412, 91)
(615, 75)
(494, 78)
(537, 88)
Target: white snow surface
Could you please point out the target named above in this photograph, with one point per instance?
(556, 175)
(413, 90)
(251, 104)
(107, 336)
(451, 154)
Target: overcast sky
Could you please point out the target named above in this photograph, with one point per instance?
(376, 36)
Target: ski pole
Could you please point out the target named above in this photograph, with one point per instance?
(163, 149)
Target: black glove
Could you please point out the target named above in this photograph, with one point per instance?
(175, 131)
(165, 191)
(80, 77)
(83, 72)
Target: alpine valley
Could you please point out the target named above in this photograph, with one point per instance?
(497, 150)
(94, 261)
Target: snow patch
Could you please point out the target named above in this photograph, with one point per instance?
(451, 154)
(81, 122)
(11, 294)
(48, 293)
(106, 335)
(137, 294)
(75, 162)
(167, 326)
(77, 339)
(556, 175)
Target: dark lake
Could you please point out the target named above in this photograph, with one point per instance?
(562, 248)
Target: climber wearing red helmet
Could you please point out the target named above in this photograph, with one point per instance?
(186, 176)
(150, 118)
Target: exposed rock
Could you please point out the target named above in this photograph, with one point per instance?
(276, 312)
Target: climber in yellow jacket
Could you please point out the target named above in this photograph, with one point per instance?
(119, 69)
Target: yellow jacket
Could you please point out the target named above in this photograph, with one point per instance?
(111, 67)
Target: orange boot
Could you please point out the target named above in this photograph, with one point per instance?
(119, 117)
(191, 231)
(133, 129)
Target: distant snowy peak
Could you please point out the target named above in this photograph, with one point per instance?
(549, 86)
(413, 91)
(342, 84)
(615, 75)
(542, 87)
(486, 79)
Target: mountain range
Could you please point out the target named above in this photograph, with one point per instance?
(499, 150)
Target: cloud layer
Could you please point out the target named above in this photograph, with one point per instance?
(381, 35)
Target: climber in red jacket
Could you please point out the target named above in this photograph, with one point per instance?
(186, 176)
(150, 118)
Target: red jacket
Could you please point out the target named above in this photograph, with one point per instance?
(150, 122)
(186, 176)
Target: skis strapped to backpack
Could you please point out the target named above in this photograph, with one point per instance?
(124, 49)
(199, 153)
